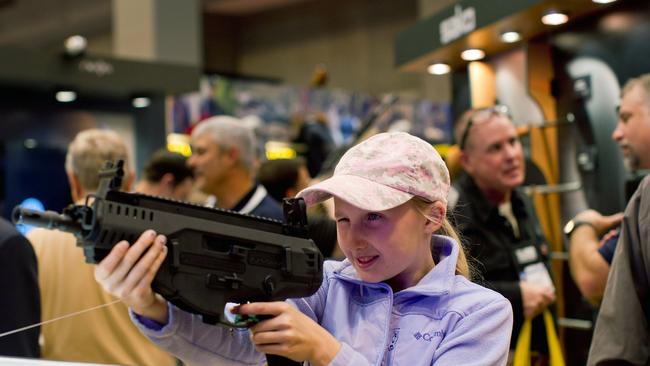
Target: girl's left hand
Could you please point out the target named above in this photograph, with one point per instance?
(290, 333)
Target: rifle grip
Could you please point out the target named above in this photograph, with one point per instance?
(275, 360)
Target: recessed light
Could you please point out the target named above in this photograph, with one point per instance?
(554, 17)
(438, 69)
(141, 102)
(472, 54)
(75, 45)
(66, 96)
(510, 36)
(603, 1)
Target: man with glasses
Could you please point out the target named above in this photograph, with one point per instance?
(498, 223)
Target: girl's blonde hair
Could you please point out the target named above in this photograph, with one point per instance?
(462, 265)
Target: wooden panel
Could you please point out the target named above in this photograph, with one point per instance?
(544, 153)
(482, 83)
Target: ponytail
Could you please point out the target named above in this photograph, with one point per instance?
(462, 265)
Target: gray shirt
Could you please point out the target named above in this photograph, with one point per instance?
(621, 334)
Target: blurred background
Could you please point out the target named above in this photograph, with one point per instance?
(152, 69)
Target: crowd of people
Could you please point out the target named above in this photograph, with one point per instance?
(408, 279)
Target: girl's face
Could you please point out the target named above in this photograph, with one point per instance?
(391, 246)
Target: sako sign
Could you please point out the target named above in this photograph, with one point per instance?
(96, 67)
(462, 22)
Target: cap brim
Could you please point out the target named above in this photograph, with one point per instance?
(357, 191)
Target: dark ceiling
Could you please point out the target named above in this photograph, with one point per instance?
(45, 23)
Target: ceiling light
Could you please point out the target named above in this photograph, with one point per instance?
(510, 36)
(554, 17)
(438, 69)
(66, 96)
(603, 1)
(75, 45)
(472, 54)
(141, 102)
(30, 143)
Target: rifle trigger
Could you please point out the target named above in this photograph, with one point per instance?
(269, 286)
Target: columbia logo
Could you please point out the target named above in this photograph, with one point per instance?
(429, 336)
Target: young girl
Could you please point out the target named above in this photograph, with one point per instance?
(402, 296)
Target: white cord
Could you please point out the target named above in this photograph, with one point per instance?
(59, 318)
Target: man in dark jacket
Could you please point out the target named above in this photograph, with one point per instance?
(498, 223)
(20, 303)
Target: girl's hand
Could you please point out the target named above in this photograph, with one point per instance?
(127, 273)
(290, 333)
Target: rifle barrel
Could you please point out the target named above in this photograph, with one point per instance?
(45, 219)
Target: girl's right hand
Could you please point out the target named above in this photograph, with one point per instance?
(127, 274)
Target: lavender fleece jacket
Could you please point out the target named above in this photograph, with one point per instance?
(444, 320)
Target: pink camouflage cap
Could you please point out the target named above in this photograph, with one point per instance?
(383, 172)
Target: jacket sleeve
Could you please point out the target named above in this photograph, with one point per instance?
(347, 356)
(194, 342)
(20, 302)
(510, 290)
(479, 338)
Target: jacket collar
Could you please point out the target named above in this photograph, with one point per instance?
(483, 208)
(251, 199)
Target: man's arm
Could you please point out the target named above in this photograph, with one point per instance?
(588, 267)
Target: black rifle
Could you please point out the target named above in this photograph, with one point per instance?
(214, 256)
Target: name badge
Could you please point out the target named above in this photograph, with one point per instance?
(537, 274)
(526, 254)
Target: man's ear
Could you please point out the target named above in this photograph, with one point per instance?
(465, 162)
(167, 182)
(291, 192)
(233, 154)
(76, 192)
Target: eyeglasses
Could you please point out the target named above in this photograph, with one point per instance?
(481, 116)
